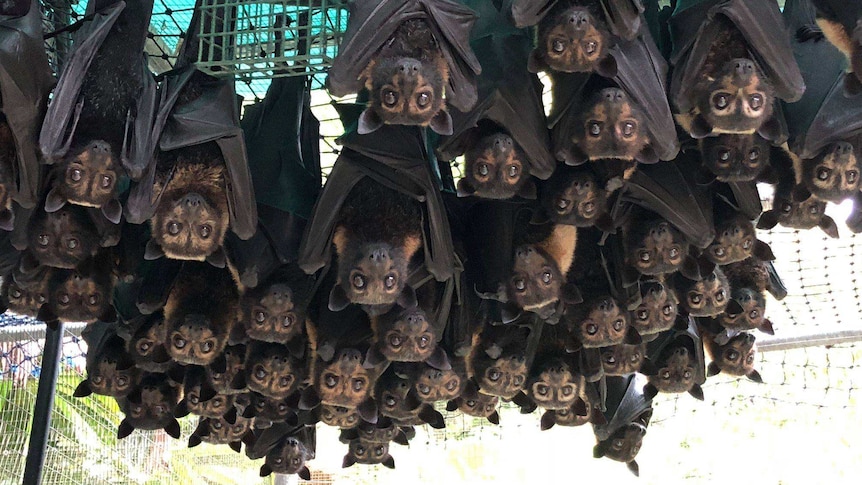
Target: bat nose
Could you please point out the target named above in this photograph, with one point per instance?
(843, 148)
(524, 251)
(613, 95)
(100, 146)
(409, 67)
(351, 354)
(193, 200)
(579, 19)
(503, 144)
(415, 319)
(743, 68)
(379, 256)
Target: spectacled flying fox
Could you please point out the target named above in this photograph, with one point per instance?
(498, 359)
(110, 369)
(272, 370)
(833, 174)
(406, 81)
(396, 398)
(150, 406)
(654, 246)
(82, 294)
(706, 297)
(25, 296)
(495, 167)
(574, 196)
(735, 157)
(276, 310)
(290, 453)
(749, 281)
(736, 357)
(474, 403)
(736, 240)
(657, 310)
(217, 431)
(63, 238)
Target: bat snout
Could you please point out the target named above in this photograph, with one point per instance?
(409, 67)
(743, 68)
(579, 19)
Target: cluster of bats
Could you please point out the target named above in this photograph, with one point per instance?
(586, 261)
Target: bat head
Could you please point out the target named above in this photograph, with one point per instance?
(114, 373)
(676, 370)
(706, 297)
(344, 381)
(834, 174)
(736, 357)
(272, 370)
(476, 404)
(572, 39)
(339, 416)
(146, 346)
(738, 100)
(502, 376)
(226, 374)
(798, 214)
(150, 406)
(753, 311)
(87, 177)
(578, 414)
(735, 240)
(536, 280)
(24, 299)
(267, 410)
(657, 311)
(612, 126)
(623, 445)
(218, 431)
(406, 335)
(367, 453)
(600, 322)
(574, 196)
(496, 167)
(62, 239)
(189, 224)
(432, 385)
(273, 314)
(82, 294)
(194, 339)
(407, 91)
(555, 385)
(623, 359)
(735, 157)
(288, 457)
(654, 246)
(395, 397)
(200, 398)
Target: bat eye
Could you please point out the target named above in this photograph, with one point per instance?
(610, 359)
(823, 173)
(724, 155)
(628, 129)
(518, 380)
(93, 300)
(295, 461)
(390, 98)
(259, 316)
(207, 346)
(76, 175)
(285, 381)
(358, 384)
(695, 298)
(619, 324)
(174, 228)
(513, 171)
(395, 341)
(359, 281)
(205, 231)
(494, 375)
(814, 210)
(542, 390)
(562, 204)
(424, 389)
(594, 128)
(64, 299)
(852, 176)
(754, 155)
(731, 354)
(71, 243)
(644, 256)
(389, 281)
(287, 321)
(753, 314)
(194, 399)
(558, 46)
(635, 357)
(746, 244)
(520, 284)
(482, 169)
(591, 47)
(282, 408)
(179, 342)
(423, 342)
(591, 329)
(719, 297)
(16, 293)
(686, 374)
(719, 252)
(589, 207)
(423, 100)
(665, 374)
(643, 315)
(379, 451)
(786, 208)
(721, 101)
(470, 403)
(755, 101)
(667, 310)
(451, 385)
(618, 444)
(97, 380)
(673, 253)
(710, 277)
(144, 346)
(41, 298)
(360, 450)
(567, 390)
(750, 359)
(546, 277)
(106, 181)
(216, 425)
(330, 381)
(43, 240)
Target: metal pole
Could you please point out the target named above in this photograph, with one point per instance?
(44, 404)
(812, 340)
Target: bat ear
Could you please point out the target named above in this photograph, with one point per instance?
(153, 251)
(633, 337)
(770, 129)
(648, 368)
(536, 63)
(217, 258)
(441, 123)
(207, 393)
(231, 415)
(549, 419)
(238, 382)
(510, 312)
(182, 409)
(433, 417)
(829, 227)
(7, 220)
(308, 399)
(763, 251)
(439, 360)
(528, 190)
(600, 449)
(304, 473)
(768, 219)
(766, 327)
(690, 268)
(700, 128)
(113, 211)
(571, 295)
(465, 189)
(633, 467)
(451, 405)
(524, 402)
(326, 352)
(125, 429)
(83, 389)
(338, 298)
(712, 369)
(368, 411)
(407, 298)
(494, 418)
(401, 438)
(800, 194)
(733, 308)
(348, 434)
(369, 121)
(572, 156)
(54, 201)
(109, 315)
(696, 392)
(647, 155)
(265, 470)
(650, 391)
(755, 376)
(46, 315)
(389, 462)
(194, 440)
(607, 67)
(235, 446)
(348, 461)
(580, 407)
(173, 429)
(373, 358)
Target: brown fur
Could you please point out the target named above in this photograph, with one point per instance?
(566, 46)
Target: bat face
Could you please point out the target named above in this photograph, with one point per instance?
(535, 281)
(224, 370)
(576, 198)
(214, 407)
(571, 40)
(24, 299)
(677, 373)
(655, 247)
(406, 336)
(657, 311)
(707, 297)
(738, 100)
(624, 444)
(734, 241)
(753, 310)
(623, 359)
(735, 158)
(113, 376)
(365, 453)
(77, 296)
(432, 385)
(339, 416)
(344, 382)
(151, 405)
(834, 174)
(272, 371)
(89, 176)
(62, 239)
(220, 432)
(604, 323)
(371, 433)
(502, 377)
(373, 274)
(195, 340)
(478, 405)
(736, 357)
(147, 345)
(288, 457)
(189, 225)
(613, 127)
(804, 214)
(267, 410)
(394, 397)
(568, 416)
(273, 316)
(496, 167)
(556, 386)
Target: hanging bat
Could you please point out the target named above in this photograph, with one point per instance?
(554, 382)
(25, 293)
(573, 195)
(150, 406)
(375, 433)
(200, 313)
(623, 359)
(63, 238)
(495, 167)
(111, 370)
(705, 297)
(276, 310)
(498, 361)
(408, 54)
(200, 398)
(82, 294)
(730, 69)
(749, 280)
(626, 420)
(396, 398)
(285, 450)
(432, 385)
(146, 343)
(839, 23)
(735, 157)
(657, 311)
(735, 239)
(226, 373)
(272, 370)
(735, 357)
(267, 411)
(25, 82)
(367, 453)
(677, 362)
(217, 431)
(653, 246)
(474, 403)
(339, 416)
(601, 322)
(582, 412)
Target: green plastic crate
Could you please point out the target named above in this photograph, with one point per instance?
(255, 39)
